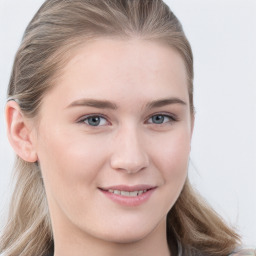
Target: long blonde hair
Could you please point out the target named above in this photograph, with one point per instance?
(61, 25)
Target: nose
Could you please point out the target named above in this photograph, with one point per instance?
(129, 154)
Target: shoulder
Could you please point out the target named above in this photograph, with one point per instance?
(244, 252)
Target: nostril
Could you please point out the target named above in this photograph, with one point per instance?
(129, 166)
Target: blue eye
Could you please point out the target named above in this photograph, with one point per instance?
(94, 120)
(160, 119)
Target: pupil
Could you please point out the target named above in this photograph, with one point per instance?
(94, 121)
(158, 119)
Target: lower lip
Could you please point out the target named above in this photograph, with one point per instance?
(129, 200)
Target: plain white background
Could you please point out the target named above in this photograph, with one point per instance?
(223, 38)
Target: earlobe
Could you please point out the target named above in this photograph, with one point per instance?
(19, 133)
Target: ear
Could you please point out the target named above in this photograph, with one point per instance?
(19, 133)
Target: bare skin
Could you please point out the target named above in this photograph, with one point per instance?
(118, 116)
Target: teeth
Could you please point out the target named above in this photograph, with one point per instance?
(134, 193)
(117, 192)
(127, 193)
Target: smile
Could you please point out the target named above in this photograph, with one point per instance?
(127, 193)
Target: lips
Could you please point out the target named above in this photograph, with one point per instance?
(125, 190)
(128, 195)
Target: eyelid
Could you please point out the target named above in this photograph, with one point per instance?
(83, 118)
(173, 117)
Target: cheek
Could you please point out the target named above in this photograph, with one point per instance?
(69, 162)
(70, 166)
(171, 157)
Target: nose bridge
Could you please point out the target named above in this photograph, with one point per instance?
(129, 153)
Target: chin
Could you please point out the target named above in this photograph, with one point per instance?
(126, 238)
(130, 233)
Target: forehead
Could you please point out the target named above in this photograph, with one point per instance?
(119, 54)
(115, 68)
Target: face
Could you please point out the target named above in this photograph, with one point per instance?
(113, 139)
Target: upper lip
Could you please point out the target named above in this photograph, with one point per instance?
(129, 188)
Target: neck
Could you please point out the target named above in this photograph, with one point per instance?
(68, 243)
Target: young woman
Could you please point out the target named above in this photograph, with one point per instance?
(100, 113)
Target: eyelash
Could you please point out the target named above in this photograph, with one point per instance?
(85, 118)
(171, 118)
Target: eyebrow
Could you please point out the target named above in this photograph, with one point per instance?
(163, 102)
(93, 103)
(105, 104)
